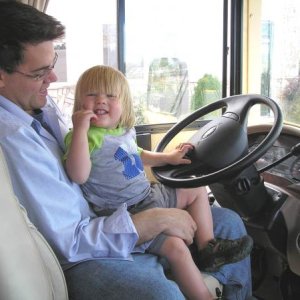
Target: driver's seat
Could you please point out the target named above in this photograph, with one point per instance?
(29, 270)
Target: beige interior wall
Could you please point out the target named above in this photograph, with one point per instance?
(252, 57)
(252, 46)
(245, 46)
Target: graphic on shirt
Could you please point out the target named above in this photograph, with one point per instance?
(132, 168)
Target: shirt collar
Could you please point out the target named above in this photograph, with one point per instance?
(15, 110)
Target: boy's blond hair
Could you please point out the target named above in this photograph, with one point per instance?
(106, 80)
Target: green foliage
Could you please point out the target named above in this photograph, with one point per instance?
(139, 114)
(207, 90)
(139, 106)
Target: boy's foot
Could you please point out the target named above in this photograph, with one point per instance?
(219, 252)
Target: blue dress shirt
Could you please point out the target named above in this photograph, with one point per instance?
(55, 204)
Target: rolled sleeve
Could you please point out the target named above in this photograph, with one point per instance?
(120, 222)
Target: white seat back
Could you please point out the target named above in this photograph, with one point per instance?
(29, 270)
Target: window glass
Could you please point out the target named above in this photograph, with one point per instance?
(173, 56)
(173, 52)
(91, 39)
(276, 45)
(281, 56)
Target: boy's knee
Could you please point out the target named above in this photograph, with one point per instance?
(175, 248)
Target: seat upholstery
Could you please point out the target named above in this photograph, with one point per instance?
(29, 270)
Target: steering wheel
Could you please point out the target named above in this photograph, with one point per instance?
(220, 146)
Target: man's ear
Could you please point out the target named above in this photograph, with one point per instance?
(2, 75)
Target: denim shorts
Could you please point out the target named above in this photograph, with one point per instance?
(159, 196)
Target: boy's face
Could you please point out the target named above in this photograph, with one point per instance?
(107, 108)
(20, 86)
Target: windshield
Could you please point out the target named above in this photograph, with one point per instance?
(173, 54)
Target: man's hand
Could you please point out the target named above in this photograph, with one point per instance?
(171, 221)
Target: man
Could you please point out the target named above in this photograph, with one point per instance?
(93, 251)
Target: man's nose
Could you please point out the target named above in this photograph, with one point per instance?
(51, 77)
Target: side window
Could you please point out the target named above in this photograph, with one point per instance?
(273, 54)
(91, 39)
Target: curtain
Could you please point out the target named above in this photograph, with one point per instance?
(39, 4)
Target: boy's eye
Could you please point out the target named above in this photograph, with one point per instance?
(110, 96)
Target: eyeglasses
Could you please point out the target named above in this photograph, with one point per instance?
(42, 74)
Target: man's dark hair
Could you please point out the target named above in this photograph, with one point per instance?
(20, 25)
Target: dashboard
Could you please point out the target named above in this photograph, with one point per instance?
(288, 169)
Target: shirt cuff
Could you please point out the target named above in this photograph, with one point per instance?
(120, 222)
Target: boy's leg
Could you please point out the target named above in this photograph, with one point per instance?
(214, 253)
(183, 269)
(142, 278)
(195, 201)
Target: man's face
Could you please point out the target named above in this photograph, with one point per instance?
(21, 87)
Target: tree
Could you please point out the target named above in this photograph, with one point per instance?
(207, 90)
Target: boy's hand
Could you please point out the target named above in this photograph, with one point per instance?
(184, 146)
(81, 119)
(177, 156)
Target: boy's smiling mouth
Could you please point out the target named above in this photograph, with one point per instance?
(100, 112)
